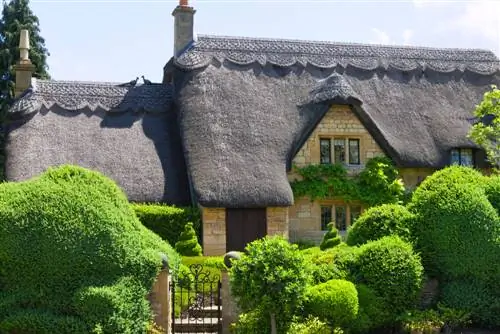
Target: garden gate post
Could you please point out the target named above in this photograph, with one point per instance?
(159, 299)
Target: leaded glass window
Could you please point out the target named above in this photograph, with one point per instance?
(339, 150)
(326, 216)
(354, 151)
(462, 156)
(325, 151)
(355, 213)
(340, 218)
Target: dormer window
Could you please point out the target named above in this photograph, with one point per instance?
(462, 157)
(343, 150)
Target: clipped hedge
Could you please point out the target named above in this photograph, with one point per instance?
(492, 190)
(391, 268)
(333, 263)
(457, 229)
(335, 302)
(74, 255)
(380, 221)
(168, 221)
(372, 313)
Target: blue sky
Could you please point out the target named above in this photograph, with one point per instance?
(117, 40)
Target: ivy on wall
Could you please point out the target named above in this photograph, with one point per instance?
(377, 183)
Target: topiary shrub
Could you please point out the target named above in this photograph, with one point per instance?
(372, 313)
(168, 221)
(333, 263)
(271, 276)
(457, 229)
(391, 268)
(492, 190)
(74, 254)
(188, 242)
(335, 302)
(331, 238)
(481, 300)
(380, 221)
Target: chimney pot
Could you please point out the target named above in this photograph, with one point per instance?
(24, 68)
(184, 3)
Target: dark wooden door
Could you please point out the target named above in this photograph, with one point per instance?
(244, 226)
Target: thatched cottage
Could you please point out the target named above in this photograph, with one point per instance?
(233, 115)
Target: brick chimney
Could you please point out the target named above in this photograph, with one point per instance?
(24, 68)
(183, 26)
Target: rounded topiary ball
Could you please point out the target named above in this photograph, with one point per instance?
(188, 242)
(335, 301)
(381, 221)
(69, 240)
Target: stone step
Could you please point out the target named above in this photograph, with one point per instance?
(205, 325)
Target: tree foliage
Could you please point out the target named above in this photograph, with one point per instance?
(17, 15)
(486, 132)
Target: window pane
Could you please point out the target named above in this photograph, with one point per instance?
(339, 150)
(326, 216)
(355, 212)
(455, 157)
(466, 157)
(340, 216)
(354, 151)
(325, 151)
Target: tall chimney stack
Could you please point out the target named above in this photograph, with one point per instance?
(183, 26)
(24, 68)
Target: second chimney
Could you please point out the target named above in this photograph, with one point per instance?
(183, 27)
(24, 68)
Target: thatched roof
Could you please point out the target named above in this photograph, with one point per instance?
(128, 133)
(247, 105)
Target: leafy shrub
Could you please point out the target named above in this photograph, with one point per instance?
(70, 237)
(335, 302)
(482, 301)
(380, 221)
(492, 190)
(304, 244)
(372, 313)
(390, 267)
(188, 242)
(457, 229)
(168, 221)
(311, 325)
(255, 321)
(334, 263)
(272, 276)
(331, 238)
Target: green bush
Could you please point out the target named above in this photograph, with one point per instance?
(457, 229)
(311, 325)
(333, 263)
(331, 238)
(272, 275)
(70, 236)
(188, 242)
(380, 221)
(492, 190)
(372, 313)
(335, 302)
(391, 268)
(168, 221)
(481, 300)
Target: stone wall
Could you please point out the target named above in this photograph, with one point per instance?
(230, 311)
(214, 231)
(277, 221)
(339, 121)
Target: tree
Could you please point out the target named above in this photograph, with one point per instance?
(17, 15)
(486, 132)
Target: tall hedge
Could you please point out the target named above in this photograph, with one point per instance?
(168, 221)
(457, 229)
(380, 221)
(492, 190)
(74, 255)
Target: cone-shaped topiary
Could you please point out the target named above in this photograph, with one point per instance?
(331, 238)
(188, 242)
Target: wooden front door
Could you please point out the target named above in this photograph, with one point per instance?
(244, 226)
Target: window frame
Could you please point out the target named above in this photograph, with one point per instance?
(459, 151)
(332, 206)
(347, 152)
(349, 140)
(329, 140)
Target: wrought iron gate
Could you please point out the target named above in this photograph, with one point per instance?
(196, 301)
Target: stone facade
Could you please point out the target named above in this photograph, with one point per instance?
(214, 231)
(339, 122)
(277, 221)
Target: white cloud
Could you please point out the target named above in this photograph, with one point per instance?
(420, 3)
(407, 36)
(381, 37)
